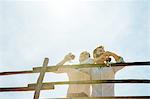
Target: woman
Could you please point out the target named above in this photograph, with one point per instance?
(77, 90)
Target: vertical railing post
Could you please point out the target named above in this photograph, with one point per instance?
(40, 79)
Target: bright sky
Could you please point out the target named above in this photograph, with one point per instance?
(31, 30)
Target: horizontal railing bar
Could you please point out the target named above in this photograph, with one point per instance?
(16, 89)
(107, 97)
(54, 68)
(16, 72)
(30, 88)
(93, 82)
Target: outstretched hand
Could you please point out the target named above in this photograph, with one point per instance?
(69, 57)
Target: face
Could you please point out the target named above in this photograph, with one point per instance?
(83, 56)
(100, 51)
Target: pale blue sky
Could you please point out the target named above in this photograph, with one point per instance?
(33, 29)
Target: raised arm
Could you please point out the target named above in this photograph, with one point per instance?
(115, 56)
(118, 59)
(67, 58)
(62, 62)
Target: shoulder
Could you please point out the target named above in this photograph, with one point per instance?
(90, 61)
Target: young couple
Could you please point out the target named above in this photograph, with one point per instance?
(97, 73)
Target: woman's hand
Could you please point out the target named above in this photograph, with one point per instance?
(69, 57)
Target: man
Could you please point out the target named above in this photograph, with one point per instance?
(77, 90)
(104, 73)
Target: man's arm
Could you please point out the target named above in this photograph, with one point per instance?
(115, 56)
(118, 59)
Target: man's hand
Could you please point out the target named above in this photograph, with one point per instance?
(102, 58)
(115, 56)
(107, 53)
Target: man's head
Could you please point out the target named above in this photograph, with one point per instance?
(98, 51)
(84, 55)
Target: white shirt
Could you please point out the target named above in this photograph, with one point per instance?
(104, 73)
(77, 75)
